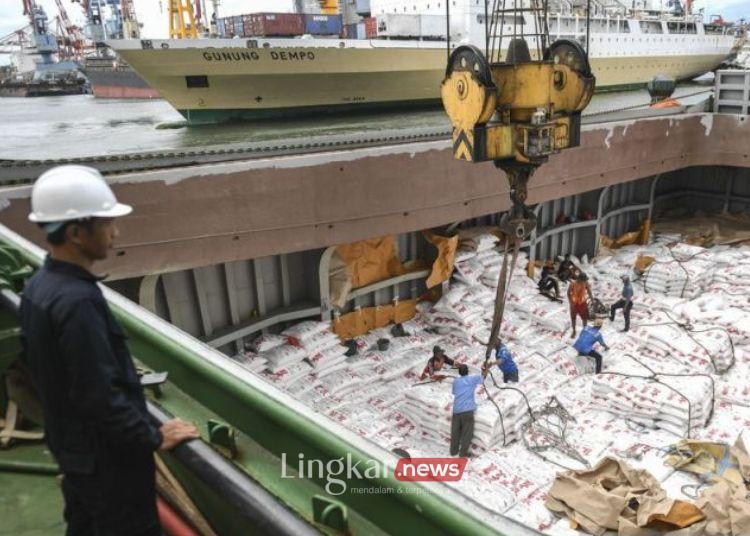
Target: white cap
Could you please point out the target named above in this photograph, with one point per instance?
(68, 193)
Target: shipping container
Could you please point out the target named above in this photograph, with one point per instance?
(361, 31)
(277, 24)
(320, 24)
(416, 26)
(371, 27)
(221, 30)
(247, 25)
(350, 31)
(229, 26)
(362, 7)
(239, 29)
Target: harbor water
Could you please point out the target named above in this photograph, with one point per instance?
(34, 128)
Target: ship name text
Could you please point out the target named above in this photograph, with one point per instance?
(253, 55)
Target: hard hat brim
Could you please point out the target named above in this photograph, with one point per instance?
(120, 209)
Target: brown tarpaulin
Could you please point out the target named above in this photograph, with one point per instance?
(725, 503)
(614, 496)
(361, 263)
(371, 260)
(634, 237)
(643, 262)
(361, 321)
(442, 268)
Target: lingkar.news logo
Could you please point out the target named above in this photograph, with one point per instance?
(338, 471)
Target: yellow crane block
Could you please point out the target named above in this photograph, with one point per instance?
(182, 20)
(329, 7)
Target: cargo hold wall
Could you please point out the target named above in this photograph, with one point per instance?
(229, 303)
(269, 206)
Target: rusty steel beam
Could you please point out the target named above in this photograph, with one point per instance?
(199, 216)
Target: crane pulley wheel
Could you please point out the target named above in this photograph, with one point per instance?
(570, 53)
(470, 58)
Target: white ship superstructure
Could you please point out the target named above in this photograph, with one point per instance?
(210, 80)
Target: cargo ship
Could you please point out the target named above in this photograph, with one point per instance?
(215, 80)
(111, 78)
(43, 88)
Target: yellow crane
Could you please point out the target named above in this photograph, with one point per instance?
(329, 7)
(515, 105)
(182, 23)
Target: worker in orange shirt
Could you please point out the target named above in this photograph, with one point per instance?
(579, 292)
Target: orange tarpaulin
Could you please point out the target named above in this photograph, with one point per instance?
(360, 263)
(371, 260)
(634, 237)
(442, 268)
(363, 320)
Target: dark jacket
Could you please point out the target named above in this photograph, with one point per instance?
(94, 409)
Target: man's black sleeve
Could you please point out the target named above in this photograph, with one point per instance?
(96, 384)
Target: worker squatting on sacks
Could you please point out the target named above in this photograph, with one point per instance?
(565, 270)
(625, 302)
(547, 282)
(95, 417)
(506, 364)
(579, 292)
(464, 406)
(589, 336)
(435, 365)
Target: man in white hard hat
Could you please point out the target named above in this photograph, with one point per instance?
(96, 422)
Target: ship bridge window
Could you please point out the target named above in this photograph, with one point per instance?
(196, 81)
(651, 27)
(681, 28)
(619, 26)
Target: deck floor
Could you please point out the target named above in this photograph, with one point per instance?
(30, 504)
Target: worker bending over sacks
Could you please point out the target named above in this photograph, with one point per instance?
(435, 365)
(506, 364)
(586, 341)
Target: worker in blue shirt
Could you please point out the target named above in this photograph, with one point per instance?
(586, 341)
(625, 302)
(464, 406)
(505, 363)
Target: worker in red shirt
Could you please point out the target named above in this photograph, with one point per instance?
(435, 365)
(579, 292)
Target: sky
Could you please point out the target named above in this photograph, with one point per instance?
(152, 13)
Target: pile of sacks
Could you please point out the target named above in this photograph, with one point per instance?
(374, 394)
(702, 349)
(673, 403)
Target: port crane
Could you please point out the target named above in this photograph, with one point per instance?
(71, 40)
(42, 39)
(515, 104)
(182, 20)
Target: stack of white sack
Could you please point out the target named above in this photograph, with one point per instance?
(673, 403)
(251, 361)
(477, 239)
(282, 357)
(718, 308)
(681, 270)
(430, 407)
(703, 349)
(461, 316)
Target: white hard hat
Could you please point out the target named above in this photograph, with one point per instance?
(68, 193)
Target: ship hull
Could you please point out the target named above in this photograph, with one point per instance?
(42, 90)
(119, 83)
(251, 84)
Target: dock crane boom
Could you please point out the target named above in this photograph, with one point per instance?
(515, 105)
(72, 42)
